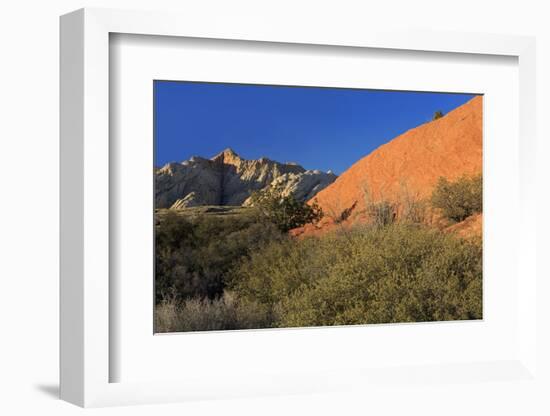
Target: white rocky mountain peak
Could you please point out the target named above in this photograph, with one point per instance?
(228, 179)
(227, 154)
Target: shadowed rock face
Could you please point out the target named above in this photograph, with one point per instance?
(227, 179)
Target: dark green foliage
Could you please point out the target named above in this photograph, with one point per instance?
(194, 254)
(285, 211)
(459, 199)
(397, 273)
(437, 115)
(240, 271)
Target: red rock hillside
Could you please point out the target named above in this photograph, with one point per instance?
(411, 163)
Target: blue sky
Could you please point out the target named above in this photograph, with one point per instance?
(319, 128)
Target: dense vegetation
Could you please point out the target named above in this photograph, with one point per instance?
(370, 274)
(284, 211)
(218, 272)
(459, 199)
(194, 254)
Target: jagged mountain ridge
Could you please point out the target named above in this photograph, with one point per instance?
(228, 179)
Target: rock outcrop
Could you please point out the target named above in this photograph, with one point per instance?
(470, 227)
(228, 179)
(406, 168)
(412, 163)
(302, 186)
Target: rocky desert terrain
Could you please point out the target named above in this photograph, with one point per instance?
(407, 167)
(243, 244)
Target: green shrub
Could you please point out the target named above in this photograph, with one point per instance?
(194, 255)
(279, 268)
(397, 273)
(437, 115)
(459, 199)
(236, 272)
(285, 211)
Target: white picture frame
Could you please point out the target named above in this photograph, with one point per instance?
(86, 356)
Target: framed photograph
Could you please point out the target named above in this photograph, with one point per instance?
(268, 211)
(377, 228)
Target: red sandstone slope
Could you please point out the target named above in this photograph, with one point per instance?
(412, 162)
(470, 227)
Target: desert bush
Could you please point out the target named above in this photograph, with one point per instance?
(280, 268)
(437, 115)
(195, 314)
(382, 213)
(396, 273)
(415, 212)
(240, 272)
(193, 255)
(379, 211)
(285, 211)
(404, 207)
(207, 315)
(166, 317)
(412, 208)
(346, 213)
(459, 199)
(224, 313)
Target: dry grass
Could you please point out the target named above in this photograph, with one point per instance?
(406, 207)
(226, 312)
